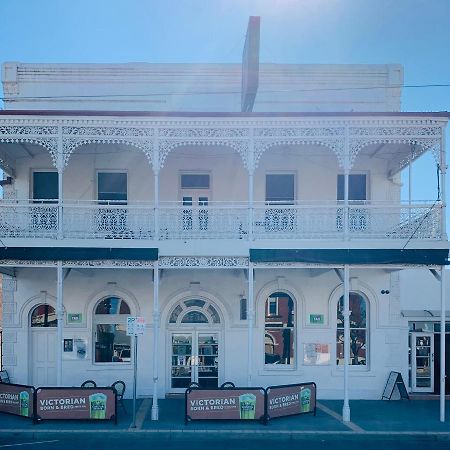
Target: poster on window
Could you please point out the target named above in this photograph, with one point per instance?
(74, 348)
(316, 354)
(16, 399)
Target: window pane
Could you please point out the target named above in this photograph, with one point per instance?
(112, 343)
(214, 315)
(358, 316)
(45, 185)
(357, 187)
(194, 317)
(195, 181)
(280, 188)
(112, 305)
(112, 186)
(279, 333)
(44, 316)
(194, 302)
(174, 316)
(243, 309)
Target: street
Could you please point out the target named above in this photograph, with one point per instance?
(132, 441)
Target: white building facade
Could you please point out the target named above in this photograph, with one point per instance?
(251, 243)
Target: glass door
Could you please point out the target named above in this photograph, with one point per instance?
(195, 358)
(195, 210)
(422, 362)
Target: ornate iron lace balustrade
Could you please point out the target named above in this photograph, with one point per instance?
(88, 220)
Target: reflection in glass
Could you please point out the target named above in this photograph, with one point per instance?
(279, 330)
(112, 305)
(194, 317)
(112, 344)
(44, 316)
(358, 330)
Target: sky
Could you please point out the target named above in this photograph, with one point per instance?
(413, 33)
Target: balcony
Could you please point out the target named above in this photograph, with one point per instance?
(219, 220)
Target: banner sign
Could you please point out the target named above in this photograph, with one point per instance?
(291, 399)
(98, 403)
(17, 399)
(225, 404)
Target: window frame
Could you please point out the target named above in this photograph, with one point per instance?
(358, 367)
(269, 331)
(281, 202)
(109, 319)
(357, 173)
(31, 190)
(111, 171)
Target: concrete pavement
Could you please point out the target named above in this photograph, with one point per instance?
(375, 418)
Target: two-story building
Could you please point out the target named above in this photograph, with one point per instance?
(255, 245)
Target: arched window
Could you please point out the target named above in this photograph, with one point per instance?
(111, 341)
(358, 330)
(44, 316)
(279, 335)
(194, 311)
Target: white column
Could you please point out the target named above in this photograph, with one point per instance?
(346, 407)
(60, 167)
(156, 319)
(443, 166)
(442, 355)
(60, 322)
(250, 323)
(346, 209)
(156, 202)
(250, 205)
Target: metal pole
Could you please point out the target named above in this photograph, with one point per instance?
(250, 319)
(156, 201)
(250, 205)
(60, 322)
(346, 407)
(443, 166)
(442, 355)
(133, 423)
(155, 409)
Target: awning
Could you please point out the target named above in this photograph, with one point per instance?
(77, 254)
(423, 313)
(427, 257)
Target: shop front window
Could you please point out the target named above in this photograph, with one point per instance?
(279, 335)
(111, 341)
(358, 331)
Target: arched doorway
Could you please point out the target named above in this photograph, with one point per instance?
(195, 346)
(43, 323)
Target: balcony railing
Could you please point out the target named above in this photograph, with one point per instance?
(321, 220)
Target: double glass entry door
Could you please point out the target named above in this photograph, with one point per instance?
(195, 358)
(422, 363)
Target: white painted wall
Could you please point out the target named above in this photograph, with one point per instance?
(316, 292)
(201, 87)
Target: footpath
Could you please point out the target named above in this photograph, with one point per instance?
(375, 418)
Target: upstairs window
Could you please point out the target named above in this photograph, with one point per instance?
(357, 187)
(112, 187)
(45, 186)
(194, 181)
(280, 188)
